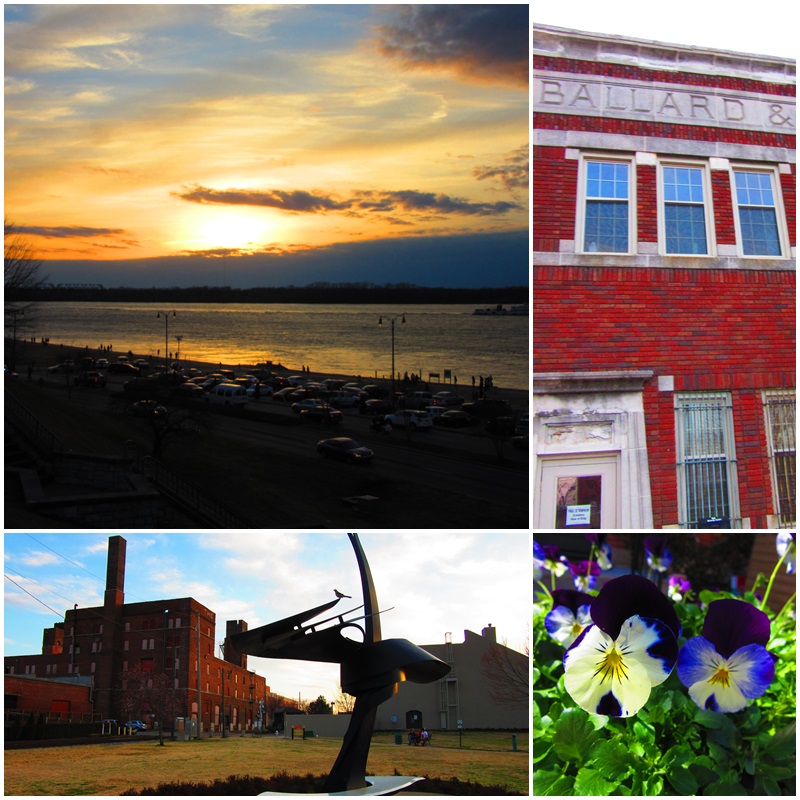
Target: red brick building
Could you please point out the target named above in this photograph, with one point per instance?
(176, 637)
(61, 699)
(663, 285)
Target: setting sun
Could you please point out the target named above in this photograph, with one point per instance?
(235, 229)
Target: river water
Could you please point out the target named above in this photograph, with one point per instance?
(337, 339)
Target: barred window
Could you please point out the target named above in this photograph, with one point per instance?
(706, 460)
(779, 412)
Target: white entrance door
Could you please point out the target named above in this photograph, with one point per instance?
(577, 492)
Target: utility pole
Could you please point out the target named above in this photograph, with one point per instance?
(199, 693)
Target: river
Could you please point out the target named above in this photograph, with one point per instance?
(336, 339)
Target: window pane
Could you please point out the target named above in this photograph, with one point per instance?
(685, 228)
(683, 184)
(607, 180)
(759, 232)
(606, 227)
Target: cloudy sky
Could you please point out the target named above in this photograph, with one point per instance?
(686, 22)
(258, 133)
(437, 582)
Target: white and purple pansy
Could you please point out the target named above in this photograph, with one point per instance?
(729, 664)
(584, 574)
(538, 560)
(601, 550)
(678, 587)
(630, 648)
(554, 562)
(569, 616)
(786, 542)
(658, 556)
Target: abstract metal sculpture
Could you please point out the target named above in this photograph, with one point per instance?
(370, 670)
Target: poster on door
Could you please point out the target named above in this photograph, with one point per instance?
(578, 515)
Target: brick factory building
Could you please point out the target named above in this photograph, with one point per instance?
(176, 637)
(663, 285)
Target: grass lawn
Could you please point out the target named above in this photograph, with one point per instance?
(110, 769)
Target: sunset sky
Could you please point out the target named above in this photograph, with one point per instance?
(146, 141)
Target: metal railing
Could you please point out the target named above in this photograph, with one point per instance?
(43, 436)
(194, 499)
(779, 409)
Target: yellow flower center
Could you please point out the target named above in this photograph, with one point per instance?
(577, 628)
(721, 676)
(612, 666)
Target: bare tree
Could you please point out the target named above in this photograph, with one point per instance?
(150, 692)
(343, 702)
(22, 273)
(507, 674)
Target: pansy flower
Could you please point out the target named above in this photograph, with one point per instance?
(678, 587)
(658, 556)
(584, 575)
(784, 542)
(569, 616)
(630, 648)
(729, 663)
(601, 549)
(554, 562)
(538, 560)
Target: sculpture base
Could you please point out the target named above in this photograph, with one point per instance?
(377, 785)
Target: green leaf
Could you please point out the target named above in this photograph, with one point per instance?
(574, 736)
(536, 675)
(590, 783)
(782, 744)
(643, 732)
(703, 770)
(548, 784)
(653, 786)
(612, 759)
(725, 787)
(766, 786)
(682, 781)
(710, 719)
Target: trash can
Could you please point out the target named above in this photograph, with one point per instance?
(398, 738)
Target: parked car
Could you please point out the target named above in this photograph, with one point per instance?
(326, 414)
(297, 380)
(308, 402)
(66, 366)
(101, 363)
(142, 363)
(135, 725)
(435, 412)
(344, 449)
(187, 390)
(227, 394)
(122, 368)
(521, 428)
(90, 378)
(147, 408)
(343, 400)
(373, 390)
(488, 408)
(282, 395)
(411, 419)
(455, 418)
(375, 406)
(447, 399)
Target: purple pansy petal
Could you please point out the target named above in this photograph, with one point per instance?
(604, 557)
(630, 595)
(551, 552)
(538, 552)
(614, 677)
(731, 624)
(571, 599)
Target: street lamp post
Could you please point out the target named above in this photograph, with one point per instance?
(166, 315)
(14, 312)
(392, 320)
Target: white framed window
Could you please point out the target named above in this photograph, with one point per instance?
(706, 460)
(779, 419)
(759, 219)
(685, 213)
(606, 216)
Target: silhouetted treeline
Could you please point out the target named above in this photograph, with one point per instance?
(313, 293)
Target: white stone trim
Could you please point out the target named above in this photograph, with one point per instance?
(785, 169)
(717, 164)
(566, 245)
(542, 259)
(647, 159)
(681, 147)
(666, 383)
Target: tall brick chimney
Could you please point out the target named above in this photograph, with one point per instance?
(115, 573)
(232, 656)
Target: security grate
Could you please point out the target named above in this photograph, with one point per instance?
(779, 410)
(706, 460)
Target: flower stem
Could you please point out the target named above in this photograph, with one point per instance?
(772, 577)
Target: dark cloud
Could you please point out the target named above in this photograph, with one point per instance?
(68, 231)
(513, 172)
(297, 201)
(360, 204)
(481, 42)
